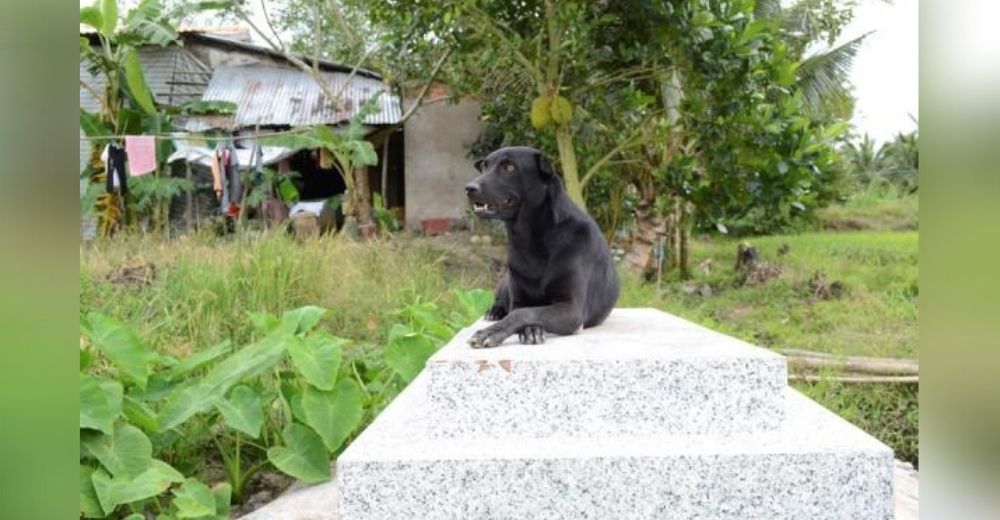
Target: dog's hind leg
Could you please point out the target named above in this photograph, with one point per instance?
(501, 300)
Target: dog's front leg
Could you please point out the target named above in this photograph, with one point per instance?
(531, 322)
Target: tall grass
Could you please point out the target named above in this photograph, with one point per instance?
(204, 286)
(877, 206)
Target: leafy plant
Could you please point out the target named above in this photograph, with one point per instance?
(287, 400)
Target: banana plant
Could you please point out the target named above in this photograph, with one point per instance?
(127, 104)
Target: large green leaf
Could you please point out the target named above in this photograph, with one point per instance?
(303, 319)
(149, 483)
(318, 358)
(333, 415)
(223, 494)
(140, 414)
(198, 360)
(136, 82)
(185, 402)
(92, 125)
(122, 347)
(407, 351)
(474, 303)
(126, 453)
(248, 362)
(243, 410)
(103, 489)
(91, 16)
(100, 403)
(90, 506)
(194, 499)
(109, 16)
(303, 456)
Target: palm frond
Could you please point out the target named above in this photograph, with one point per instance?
(823, 75)
(767, 9)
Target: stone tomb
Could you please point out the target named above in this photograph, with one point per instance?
(647, 416)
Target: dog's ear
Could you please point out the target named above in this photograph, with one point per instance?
(545, 170)
(478, 165)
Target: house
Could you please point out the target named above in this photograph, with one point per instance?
(423, 162)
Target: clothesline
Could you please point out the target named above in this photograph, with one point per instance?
(189, 135)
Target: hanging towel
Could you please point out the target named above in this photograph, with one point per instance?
(141, 150)
(233, 175)
(216, 175)
(115, 169)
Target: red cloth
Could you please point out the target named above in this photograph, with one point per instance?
(141, 151)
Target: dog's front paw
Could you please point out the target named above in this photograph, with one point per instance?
(496, 313)
(487, 338)
(532, 335)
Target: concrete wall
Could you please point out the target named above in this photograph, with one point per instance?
(437, 164)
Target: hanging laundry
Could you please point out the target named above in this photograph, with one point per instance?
(223, 156)
(216, 175)
(235, 183)
(115, 169)
(141, 150)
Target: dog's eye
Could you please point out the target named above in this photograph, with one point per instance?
(509, 168)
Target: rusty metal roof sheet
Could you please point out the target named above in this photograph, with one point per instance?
(270, 96)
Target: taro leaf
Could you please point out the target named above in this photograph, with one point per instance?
(136, 82)
(149, 483)
(102, 488)
(127, 453)
(302, 319)
(223, 494)
(90, 506)
(100, 403)
(184, 402)
(135, 516)
(407, 351)
(318, 358)
(139, 414)
(195, 361)
(303, 456)
(263, 322)
(122, 347)
(194, 499)
(243, 410)
(248, 362)
(474, 303)
(333, 415)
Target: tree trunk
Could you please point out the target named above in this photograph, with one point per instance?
(649, 229)
(567, 159)
(684, 230)
(363, 209)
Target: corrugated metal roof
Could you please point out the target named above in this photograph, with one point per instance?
(269, 96)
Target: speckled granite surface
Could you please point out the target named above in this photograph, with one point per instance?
(642, 371)
(815, 466)
(810, 464)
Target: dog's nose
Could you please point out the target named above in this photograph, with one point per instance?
(471, 188)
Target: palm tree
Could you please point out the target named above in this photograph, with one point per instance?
(822, 76)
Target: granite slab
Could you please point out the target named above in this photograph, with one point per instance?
(642, 371)
(814, 465)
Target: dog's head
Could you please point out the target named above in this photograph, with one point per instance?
(511, 179)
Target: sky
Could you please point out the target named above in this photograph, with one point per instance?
(885, 72)
(886, 69)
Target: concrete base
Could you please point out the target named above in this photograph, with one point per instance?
(815, 465)
(642, 371)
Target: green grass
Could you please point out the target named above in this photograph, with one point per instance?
(204, 286)
(877, 207)
(876, 316)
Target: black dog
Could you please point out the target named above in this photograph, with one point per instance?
(560, 275)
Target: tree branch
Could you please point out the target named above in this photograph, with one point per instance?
(632, 140)
(423, 91)
(491, 26)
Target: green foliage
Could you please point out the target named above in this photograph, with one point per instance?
(895, 163)
(289, 399)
